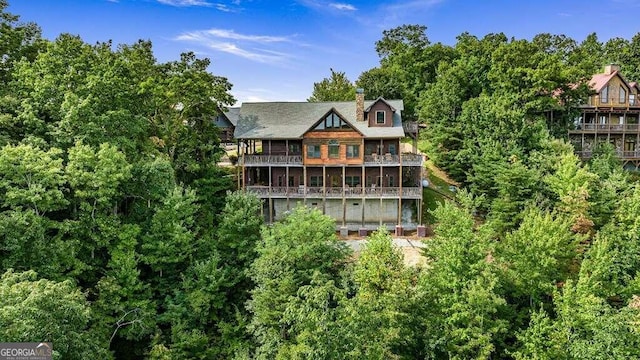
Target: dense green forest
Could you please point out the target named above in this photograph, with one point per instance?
(120, 237)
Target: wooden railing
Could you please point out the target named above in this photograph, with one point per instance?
(607, 127)
(271, 159)
(335, 192)
(386, 159)
(410, 127)
(621, 154)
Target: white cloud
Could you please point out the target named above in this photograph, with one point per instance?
(231, 42)
(343, 7)
(186, 3)
(232, 35)
(415, 5)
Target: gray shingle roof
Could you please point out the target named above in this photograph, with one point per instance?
(233, 114)
(290, 120)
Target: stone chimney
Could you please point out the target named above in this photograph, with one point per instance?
(609, 69)
(359, 104)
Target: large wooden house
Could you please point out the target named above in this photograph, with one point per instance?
(610, 115)
(344, 158)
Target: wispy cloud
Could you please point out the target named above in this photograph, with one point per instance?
(186, 3)
(343, 7)
(258, 48)
(229, 6)
(324, 6)
(414, 5)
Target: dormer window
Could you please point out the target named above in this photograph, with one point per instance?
(623, 95)
(380, 117)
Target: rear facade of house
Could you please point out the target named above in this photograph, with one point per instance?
(343, 158)
(610, 115)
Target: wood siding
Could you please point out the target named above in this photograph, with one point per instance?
(323, 138)
(388, 114)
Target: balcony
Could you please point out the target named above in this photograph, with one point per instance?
(335, 192)
(625, 155)
(593, 128)
(408, 159)
(264, 160)
(393, 160)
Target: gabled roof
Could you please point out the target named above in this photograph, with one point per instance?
(634, 84)
(376, 101)
(291, 120)
(336, 112)
(599, 81)
(232, 114)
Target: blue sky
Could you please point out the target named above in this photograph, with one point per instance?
(274, 50)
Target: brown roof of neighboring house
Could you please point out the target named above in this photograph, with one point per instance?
(598, 81)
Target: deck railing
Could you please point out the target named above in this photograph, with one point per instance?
(621, 154)
(408, 159)
(410, 127)
(607, 127)
(271, 159)
(334, 192)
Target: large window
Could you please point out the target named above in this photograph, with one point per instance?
(379, 117)
(334, 149)
(315, 180)
(353, 151)
(604, 95)
(313, 151)
(352, 180)
(294, 149)
(622, 95)
(392, 149)
(333, 121)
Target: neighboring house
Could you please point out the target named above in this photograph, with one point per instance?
(227, 121)
(343, 158)
(610, 115)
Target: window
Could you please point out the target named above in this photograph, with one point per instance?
(333, 121)
(391, 182)
(291, 181)
(604, 95)
(622, 95)
(280, 180)
(392, 149)
(294, 149)
(632, 99)
(379, 117)
(353, 151)
(368, 149)
(316, 180)
(352, 180)
(334, 149)
(313, 151)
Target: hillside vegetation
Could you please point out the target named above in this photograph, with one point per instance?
(120, 237)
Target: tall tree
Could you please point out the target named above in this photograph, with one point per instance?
(337, 87)
(49, 311)
(291, 252)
